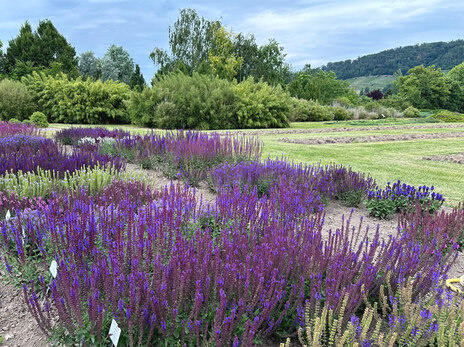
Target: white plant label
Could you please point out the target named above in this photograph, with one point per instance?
(114, 333)
(8, 215)
(54, 268)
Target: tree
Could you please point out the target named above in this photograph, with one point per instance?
(423, 87)
(117, 65)
(89, 65)
(455, 80)
(42, 48)
(137, 81)
(190, 41)
(224, 64)
(375, 94)
(2, 60)
(320, 86)
(271, 65)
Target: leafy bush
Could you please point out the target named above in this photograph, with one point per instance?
(80, 101)
(341, 113)
(142, 107)
(190, 102)
(411, 112)
(259, 105)
(448, 116)
(319, 113)
(39, 119)
(16, 101)
(14, 120)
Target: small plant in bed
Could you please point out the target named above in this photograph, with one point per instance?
(383, 203)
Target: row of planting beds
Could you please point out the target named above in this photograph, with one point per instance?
(91, 245)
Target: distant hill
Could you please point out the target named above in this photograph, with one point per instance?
(371, 82)
(444, 55)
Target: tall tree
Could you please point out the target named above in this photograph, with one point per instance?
(424, 87)
(222, 59)
(190, 41)
(455, 80)
(137, 81)
(2, 60)
(117, 65)
(43, 48)
(89, 65)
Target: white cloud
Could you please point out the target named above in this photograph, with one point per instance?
(318, 25)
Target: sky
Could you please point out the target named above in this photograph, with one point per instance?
(311, 31)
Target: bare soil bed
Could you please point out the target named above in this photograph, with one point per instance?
(372, 138)
(19, 329)
(457, 158)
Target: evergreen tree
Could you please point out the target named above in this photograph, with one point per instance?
(137, 81)
(89, 65)
(117, 65)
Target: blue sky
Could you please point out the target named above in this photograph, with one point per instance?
(312, 31)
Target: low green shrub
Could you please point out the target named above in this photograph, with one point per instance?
(14, 120)
(319, 113)
(16, 101)
(448, 116)
(39, 119)
(411, 112)
(341, 113)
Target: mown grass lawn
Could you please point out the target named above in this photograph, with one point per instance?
(384, 161)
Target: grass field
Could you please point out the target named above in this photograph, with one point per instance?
(372, 82)
(384, 161)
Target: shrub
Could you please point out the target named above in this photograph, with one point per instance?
(14, 120)
(411, 112)
(319, 113)
(80, 101)
(341, 113)
(16, 101)
(39, 119)
(190, 102)
(142, 106)
(300, 109)
(259, 105)
(448, 116)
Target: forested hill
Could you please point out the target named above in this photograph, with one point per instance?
(445, 55)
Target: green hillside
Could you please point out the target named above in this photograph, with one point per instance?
(444, 55)
(371, 82)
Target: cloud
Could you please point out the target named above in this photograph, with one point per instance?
(321, 25)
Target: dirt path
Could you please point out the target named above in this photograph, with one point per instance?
(372, 138)
(457, 158)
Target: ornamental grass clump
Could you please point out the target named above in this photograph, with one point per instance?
(9, 129)
(22, 153)
(71, 136)
(147, 262)
(383, 203)
(191, 154)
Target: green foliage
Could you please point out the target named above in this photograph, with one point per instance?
(89, 65)
(411, 112)
(455, 79)
(192, 102)
(14, 120)
(423, 87)
(117, 65)
(16, 101)
(80, 101)
(40, 49)
(321, 86)
(142, 107)
(445, 55)
(319, 113)
(137, 81)
(39, 119)
(190, 41)
(260, 105)
(448, 116)
(341, 113)
(224, 64)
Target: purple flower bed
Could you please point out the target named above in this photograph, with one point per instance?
(71, 136)
(330, 180)
(9, 129)
(31, 153)
(224, 274)
(188, 153)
